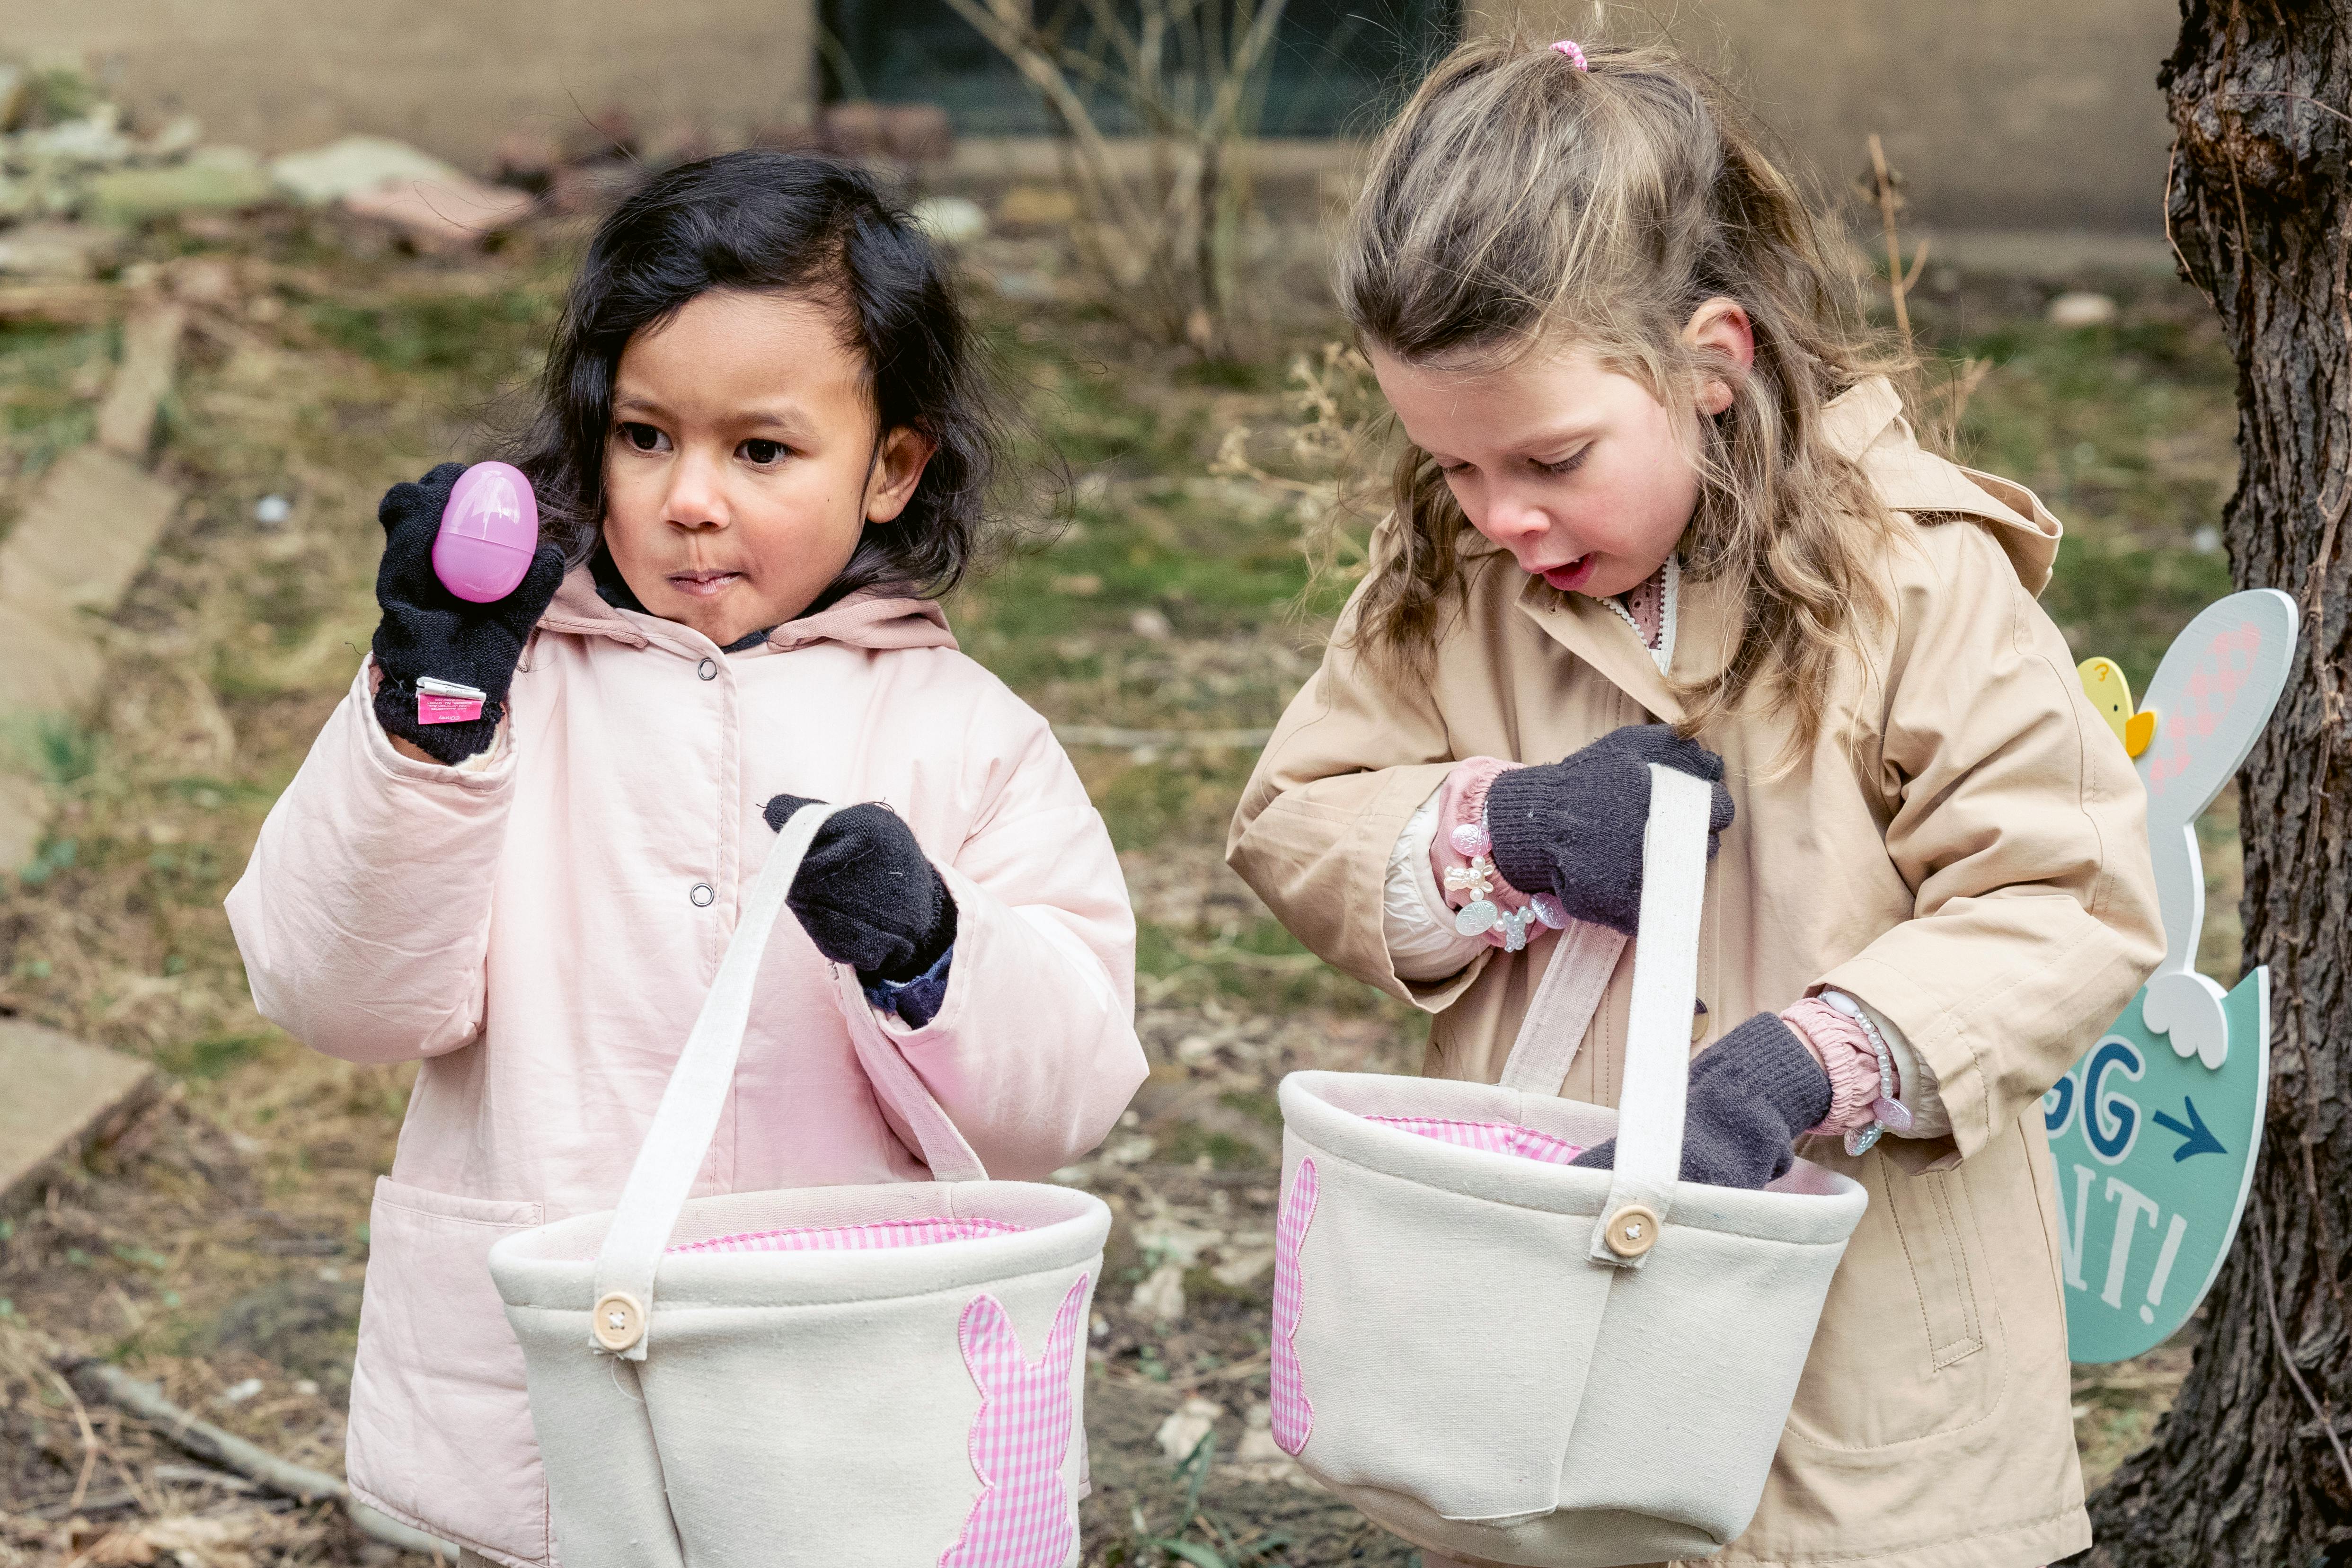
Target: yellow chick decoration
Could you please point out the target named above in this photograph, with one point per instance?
(2110, 693)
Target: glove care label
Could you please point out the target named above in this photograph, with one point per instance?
(447, 702)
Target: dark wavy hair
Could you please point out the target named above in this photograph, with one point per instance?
(807, 226)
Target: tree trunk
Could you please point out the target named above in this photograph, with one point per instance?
(2249, 1467)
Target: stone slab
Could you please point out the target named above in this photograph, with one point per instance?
(323, 176)
(57, 1095)
(57, 252)
(24, 818)
(150, 352)
(49, 665)
(217, 179)
(83, 537)
(71, 304)
(84, 533)
(2049, 256)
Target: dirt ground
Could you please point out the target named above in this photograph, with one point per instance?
(218, 1244)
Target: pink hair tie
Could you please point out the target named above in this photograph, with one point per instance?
(1575, 55)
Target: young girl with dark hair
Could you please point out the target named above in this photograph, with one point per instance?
(765, 452)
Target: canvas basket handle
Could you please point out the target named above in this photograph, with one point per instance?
(1666, 986)
(1562, 1007)
(679, 1138)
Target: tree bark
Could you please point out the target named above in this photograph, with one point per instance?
(2250, 1466)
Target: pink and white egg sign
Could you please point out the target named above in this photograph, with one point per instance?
(2155, 1130)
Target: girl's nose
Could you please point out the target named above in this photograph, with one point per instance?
(1513, 519)
(697, 496)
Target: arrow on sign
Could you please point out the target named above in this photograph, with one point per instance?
(2196, 1138)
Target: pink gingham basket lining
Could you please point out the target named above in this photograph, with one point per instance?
(1494, 1137)
(877, 1236)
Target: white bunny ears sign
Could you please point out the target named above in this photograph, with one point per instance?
(2154, 1132)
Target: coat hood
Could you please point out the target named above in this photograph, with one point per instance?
(1867, 425)
(868, 619)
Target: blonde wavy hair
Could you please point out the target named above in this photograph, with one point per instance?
(1519, 204)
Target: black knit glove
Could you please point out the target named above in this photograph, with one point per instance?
(868, 895)
(1573, 828)
(1752, 1094)
(427, 630)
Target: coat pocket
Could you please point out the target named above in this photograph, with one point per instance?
(1910, 1342)
(1933, 1214)
(440, 1424)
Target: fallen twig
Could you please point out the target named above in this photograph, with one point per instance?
(96, 1502)
(1224, 952)
(200, 1476)
(1166, 740)
(209, 1442)
(1249, 1365)
(67, 304)
(28, 1356)
(1885, 195)
(89, 1445)
(1884, 191)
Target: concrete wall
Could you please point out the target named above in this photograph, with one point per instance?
(2001, 114)
(452, 76)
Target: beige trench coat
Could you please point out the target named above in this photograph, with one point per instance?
(1964, 848)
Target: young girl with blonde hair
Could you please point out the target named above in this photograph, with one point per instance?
(1661, 503)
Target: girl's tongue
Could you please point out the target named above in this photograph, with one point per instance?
(1575, 574)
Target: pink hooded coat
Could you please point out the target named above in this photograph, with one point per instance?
(542, 931)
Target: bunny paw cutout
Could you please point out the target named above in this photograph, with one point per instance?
(1020, 1438)
(2186, 1008)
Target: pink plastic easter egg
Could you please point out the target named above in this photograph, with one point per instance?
(490, 531)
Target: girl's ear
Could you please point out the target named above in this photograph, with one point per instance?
(897, 468)
(1721, 325)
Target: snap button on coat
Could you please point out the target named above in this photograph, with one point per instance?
(702, 895)
(708, 669)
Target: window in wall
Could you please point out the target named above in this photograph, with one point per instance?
(1338, 65)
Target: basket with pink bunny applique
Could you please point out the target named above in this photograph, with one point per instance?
(1501, 1355)
(813, 1378)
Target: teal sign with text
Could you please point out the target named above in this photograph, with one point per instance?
(2154, 1152)
(2154, 1132)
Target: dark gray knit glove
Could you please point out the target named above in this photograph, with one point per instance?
(1752, 1094)
(1573, 828)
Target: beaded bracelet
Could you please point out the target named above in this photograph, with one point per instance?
(1490, 908)
(1479, 879)
(1890, 1114)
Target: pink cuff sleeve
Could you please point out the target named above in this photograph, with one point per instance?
(1847, 1055)
(1462, 861)
(1462, 803)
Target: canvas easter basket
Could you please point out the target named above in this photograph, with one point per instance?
(1499, 1355)
(826, 1375)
